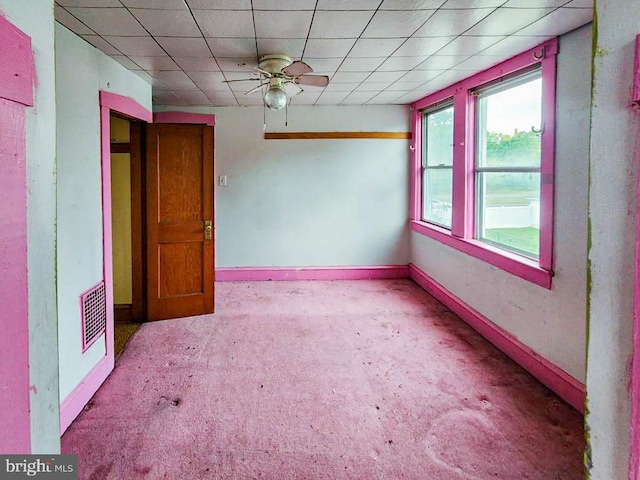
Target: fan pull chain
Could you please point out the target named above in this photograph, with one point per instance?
(286, 114)
(264, 117)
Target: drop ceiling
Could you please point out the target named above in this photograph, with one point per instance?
(375, 52)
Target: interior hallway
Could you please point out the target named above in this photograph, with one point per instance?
(343, 379)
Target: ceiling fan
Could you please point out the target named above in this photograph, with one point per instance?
(276, 71)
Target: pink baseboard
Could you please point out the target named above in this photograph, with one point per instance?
(564, 385)
(75, 402)
(311, 273)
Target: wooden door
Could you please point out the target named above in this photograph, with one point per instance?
(180, 263)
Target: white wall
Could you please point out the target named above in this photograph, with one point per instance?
(552, 322)
(81, 72)
(614, 164)
(310, 202)
(35, 18)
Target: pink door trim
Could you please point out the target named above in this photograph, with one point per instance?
(16, 92)
(73, 404)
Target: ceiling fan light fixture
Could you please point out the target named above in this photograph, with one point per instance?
(275, 98)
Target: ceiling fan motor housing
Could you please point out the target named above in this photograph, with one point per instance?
(274, 63)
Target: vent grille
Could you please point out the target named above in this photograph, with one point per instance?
(94, 315)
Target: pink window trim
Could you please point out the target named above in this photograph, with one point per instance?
(185, 117)
(462, 231)
(520, 266)
(636, 71)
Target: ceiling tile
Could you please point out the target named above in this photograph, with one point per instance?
(242, 87)
(328, 48)
(366, 64)
(90, 3)
(331, 98)
(101, 44)
(452, 22)
(197, 64)
(280, 24)
(323, 64)
(580, 4)
(71, 22)
(175, 80)
(400, 85)
(468, 45)
(284, 4)
(358, 97)
(144, 75)
(136, 46)
(464, 4)
(371, 86)
(241, 76)
(420, 76)
(167, 23)
(210, 80)
(305, 98)
(415, 47)
(232, 47)
(293, 47)
(513, 45)
(447, 78)
(387, 77)
(534, 3)
(411, 4)
(478, 63)
(225, 23)
(506, 21)
(441, 62)
(253, 100)
(396, 63)
(185, 47)
(164, 97)
(558, 22)
(341, 87)
(155, 64)
(396, 24)
(109, 21)
(411, 97)
(219, 92)
(339, 24)
(386, 97)
(237, 64)
(125, 61)
(350, 5)
(156, 4)
(349, 77)
(375, 47)
(220, 4)
(194, 97)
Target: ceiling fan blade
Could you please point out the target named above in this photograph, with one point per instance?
(313, 80)
(264, 72)
(297, 68)
(241, 80)
(254, 90)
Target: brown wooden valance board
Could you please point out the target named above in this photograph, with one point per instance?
(336, 135)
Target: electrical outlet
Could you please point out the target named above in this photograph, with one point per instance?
(222, 180)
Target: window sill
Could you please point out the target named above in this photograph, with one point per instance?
(522, 267)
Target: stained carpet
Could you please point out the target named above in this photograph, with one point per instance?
(322, 380)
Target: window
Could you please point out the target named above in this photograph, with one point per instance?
(484, 153)
(437, 165)
(508, 131)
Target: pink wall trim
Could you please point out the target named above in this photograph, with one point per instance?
(635, 99)
(16, 74)
(125, 106)
(15, 415)
(311, 273)
(75, 402)
(564, 385)
(184, 117)
(510, 262)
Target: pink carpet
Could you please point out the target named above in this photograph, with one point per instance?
(331, 380)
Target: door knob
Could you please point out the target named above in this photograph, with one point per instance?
(208, 230)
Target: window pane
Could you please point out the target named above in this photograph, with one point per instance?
(436, 195)
(439, 137)
(509, 125)
(509, 211)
